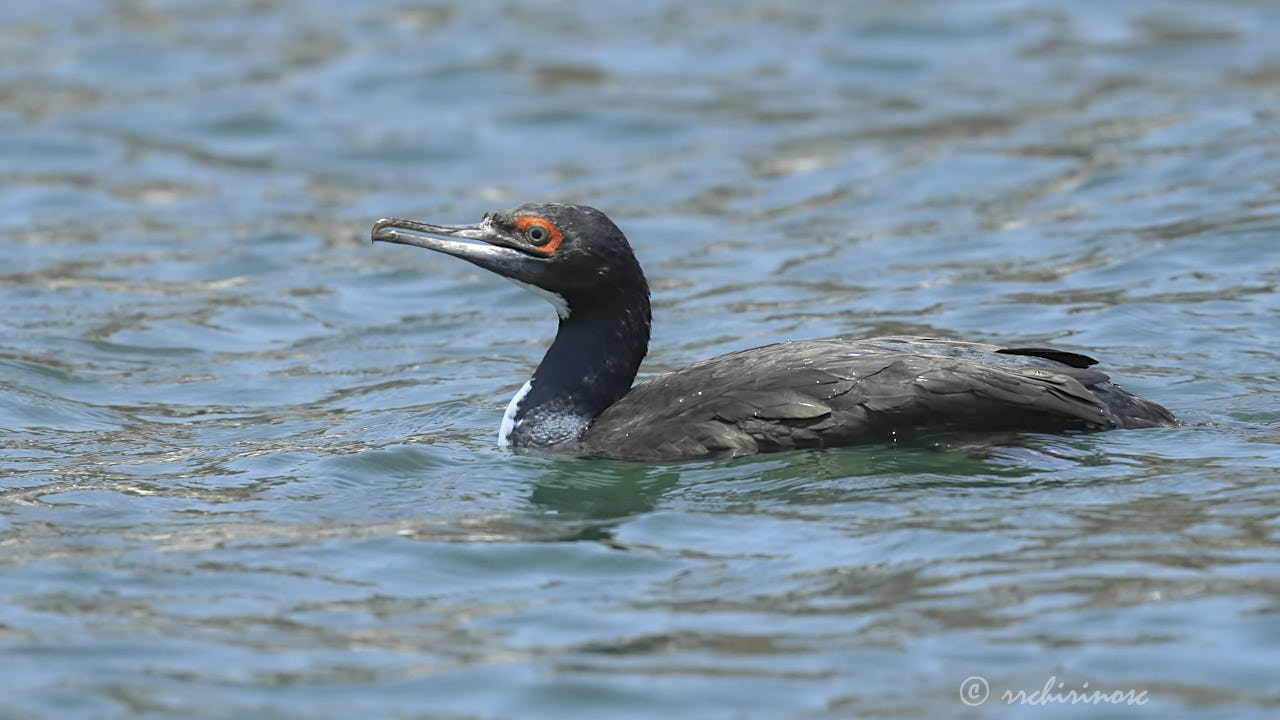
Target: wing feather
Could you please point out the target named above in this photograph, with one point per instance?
(833, 392)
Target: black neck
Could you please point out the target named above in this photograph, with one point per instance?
(591, 364)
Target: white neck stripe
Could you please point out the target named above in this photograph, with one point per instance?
(509, 417)
(557, 300)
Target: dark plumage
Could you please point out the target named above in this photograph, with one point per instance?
(815, 393)
(831, 392)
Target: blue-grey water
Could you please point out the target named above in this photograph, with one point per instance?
(247, 459)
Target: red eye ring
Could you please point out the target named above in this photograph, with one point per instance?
(550, 238)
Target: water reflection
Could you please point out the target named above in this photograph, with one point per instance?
(601, 489)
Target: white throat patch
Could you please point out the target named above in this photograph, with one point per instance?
(509, 417)
(557, 301)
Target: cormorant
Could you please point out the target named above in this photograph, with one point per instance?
(813, 393)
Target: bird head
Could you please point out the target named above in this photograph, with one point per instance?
(572, 255)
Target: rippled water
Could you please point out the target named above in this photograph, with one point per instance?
(248, 463)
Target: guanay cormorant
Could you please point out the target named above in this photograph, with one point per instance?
(813, 393)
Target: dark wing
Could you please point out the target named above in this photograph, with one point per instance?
(1075, 360)
(838, 392)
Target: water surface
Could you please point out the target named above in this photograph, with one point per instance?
(247, 466)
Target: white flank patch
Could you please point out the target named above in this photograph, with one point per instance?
(509, 417)
(557, 301)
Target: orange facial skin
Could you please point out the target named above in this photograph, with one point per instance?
(552, 241)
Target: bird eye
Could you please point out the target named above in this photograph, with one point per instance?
(539, 233)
